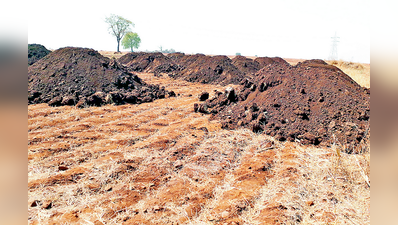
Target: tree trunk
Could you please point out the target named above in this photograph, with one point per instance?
(118, 43)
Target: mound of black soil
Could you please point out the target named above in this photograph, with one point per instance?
(36, 52)
(246, 65)
(176, 56)
(312, 103)
(265, 61)
(148, 62)
(83, 77)
(209, 70)
(193, 68)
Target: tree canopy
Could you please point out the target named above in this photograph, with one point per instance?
(118, 27)
(131, 40)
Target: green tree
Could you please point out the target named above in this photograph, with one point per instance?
(118, 27)
(131, 40)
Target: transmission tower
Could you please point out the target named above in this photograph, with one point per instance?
(333, 52)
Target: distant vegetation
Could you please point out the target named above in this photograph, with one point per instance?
(118, 27)
(131, 40)
(165, 50)
(168, 51)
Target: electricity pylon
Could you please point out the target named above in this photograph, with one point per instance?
(333, 52)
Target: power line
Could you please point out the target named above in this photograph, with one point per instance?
(333, 53)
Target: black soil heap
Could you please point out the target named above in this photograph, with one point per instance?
(36, 52)
(83, 77)
(246, 65)
(194, 68)
(312, 102)
(209, 70)
(265, 61)
(148, 62)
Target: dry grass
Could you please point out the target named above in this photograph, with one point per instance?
(154, 163)
(360, 72)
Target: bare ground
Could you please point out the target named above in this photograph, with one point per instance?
(161, 163)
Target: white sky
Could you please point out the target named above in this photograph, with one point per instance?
(285, 28)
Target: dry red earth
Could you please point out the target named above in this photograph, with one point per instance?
(162, 163)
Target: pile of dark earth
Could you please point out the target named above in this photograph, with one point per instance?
(83, 77)
(311, 103)
(36, 52)
(147, 62)
(208, 70)
(196, 68)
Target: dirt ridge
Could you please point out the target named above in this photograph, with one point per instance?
(312, 102)
(83, 77)
(193, 68)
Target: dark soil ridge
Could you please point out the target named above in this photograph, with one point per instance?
(265, 61)
(148, 62)
(312, 103)
(209, 70)
(198, 67)
(83, 77)
(246, 65)
(193, 68)
(36, 52)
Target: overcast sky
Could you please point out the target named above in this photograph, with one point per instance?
(285, 28)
